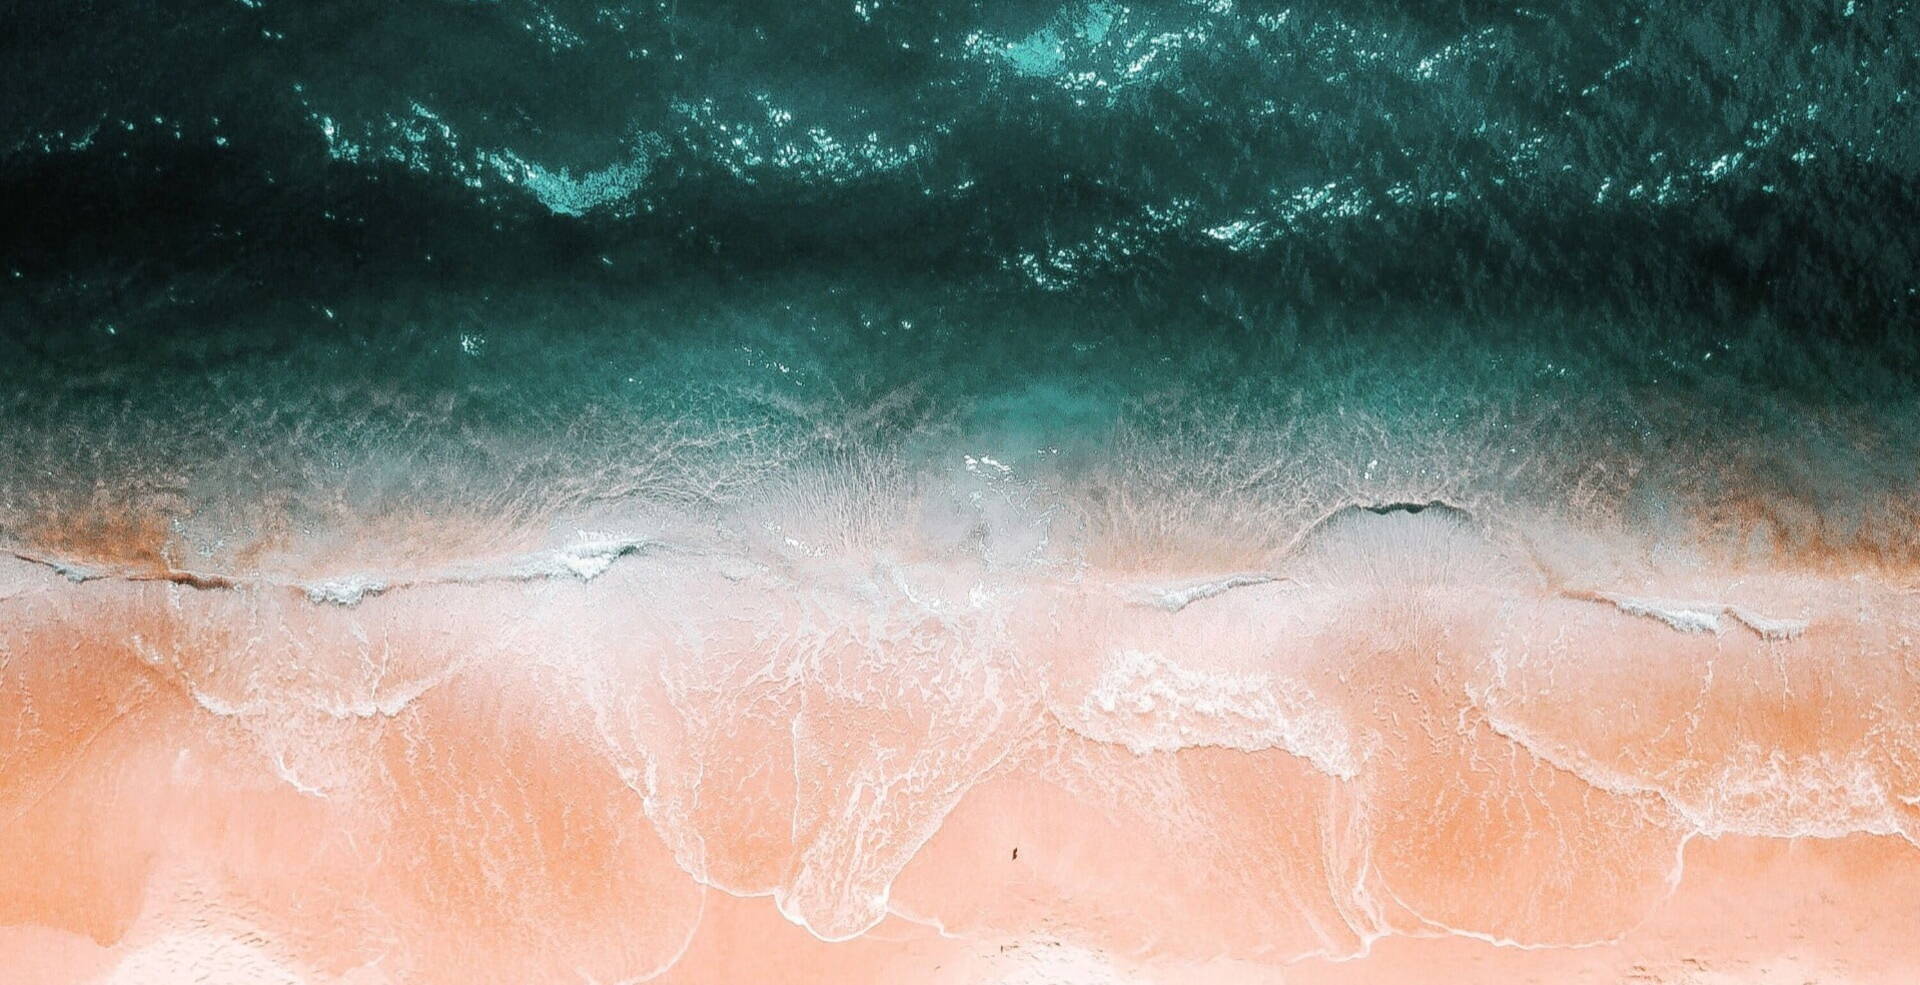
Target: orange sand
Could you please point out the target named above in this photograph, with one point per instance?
(1401, 753)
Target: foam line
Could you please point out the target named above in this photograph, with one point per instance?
(580, 562)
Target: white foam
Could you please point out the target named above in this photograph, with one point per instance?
(1177, 597)
(286, 773)
(1148, 703)
(346, 591)
(1768, 628)
(1687, 617)
(1705, 617)
(1781, 795)
(1756, 792)
(585, 561)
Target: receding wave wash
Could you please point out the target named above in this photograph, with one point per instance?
(541, 492)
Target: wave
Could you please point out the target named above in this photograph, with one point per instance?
(1701, 617)
(583, 561)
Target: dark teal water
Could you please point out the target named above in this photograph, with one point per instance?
(362, 251)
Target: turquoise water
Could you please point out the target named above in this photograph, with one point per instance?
(514, 258)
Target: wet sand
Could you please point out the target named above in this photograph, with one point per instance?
(1405, 749)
